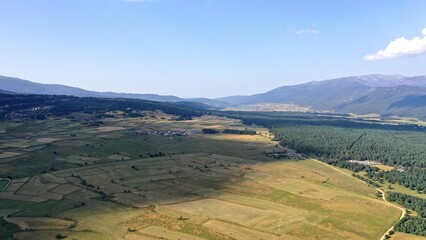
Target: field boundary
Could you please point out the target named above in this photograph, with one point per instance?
(7, 185)
(403, 211)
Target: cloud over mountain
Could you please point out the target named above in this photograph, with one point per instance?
(401, 47)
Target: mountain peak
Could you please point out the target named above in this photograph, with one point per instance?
(381, 77)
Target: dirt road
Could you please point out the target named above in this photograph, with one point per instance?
(403, 211)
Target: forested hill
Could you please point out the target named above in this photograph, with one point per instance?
(381, 94)
(22, 86)
(41, 106)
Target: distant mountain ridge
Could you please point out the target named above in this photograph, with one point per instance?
(377, 80)
(18, 85)
(386, 95)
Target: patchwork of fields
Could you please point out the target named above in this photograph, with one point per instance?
(77, 179)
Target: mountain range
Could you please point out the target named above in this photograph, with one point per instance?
(387, 95)
(17, 85)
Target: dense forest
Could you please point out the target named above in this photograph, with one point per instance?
(415, 203)
(237, 131)
(42, 106)
(413, 178)
(414, 225)
(403, 149)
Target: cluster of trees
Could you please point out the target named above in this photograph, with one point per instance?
(229, 131)
(409, 177)
(237, 131)
(209, 131)
(366, 180)
(414, 225)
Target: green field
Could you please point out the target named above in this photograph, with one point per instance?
(3, 184)
(118, 182)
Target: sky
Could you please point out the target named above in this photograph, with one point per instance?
(208, 48)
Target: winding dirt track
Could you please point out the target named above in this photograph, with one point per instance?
(403, 211)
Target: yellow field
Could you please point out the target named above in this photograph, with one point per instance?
(239, 232)
(384, 167)
(161, 232)
(405, 236)
(40, 223)
(109, 129)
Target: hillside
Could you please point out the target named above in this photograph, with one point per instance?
(385, 95)
(33, 106)
(27, 87)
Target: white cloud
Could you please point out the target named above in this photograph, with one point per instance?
(401, 47)
(307, 31)
(139, 1)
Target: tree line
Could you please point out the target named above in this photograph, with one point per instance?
(410, 224)
(415, 203)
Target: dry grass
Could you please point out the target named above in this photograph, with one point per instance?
(47, 140)
(384, 167)
(239, 232)
(161, 232)
(219, 209)
(149, 217)
(40, 223)
(13, 196)
(109, 129)
(65, 189)
(118, 157)
(36, 188)
(405, 236)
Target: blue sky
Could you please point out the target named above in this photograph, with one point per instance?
(208, 48)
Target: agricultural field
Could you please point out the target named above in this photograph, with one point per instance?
(78, 178)
(3, 184)
(405, 236)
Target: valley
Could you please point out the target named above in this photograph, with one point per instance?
(115, 181)
(212, 120)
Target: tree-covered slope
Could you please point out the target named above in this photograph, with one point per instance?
(385, 95)
(41, 106)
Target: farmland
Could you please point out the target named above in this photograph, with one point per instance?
(3, 184)
(116, 180)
